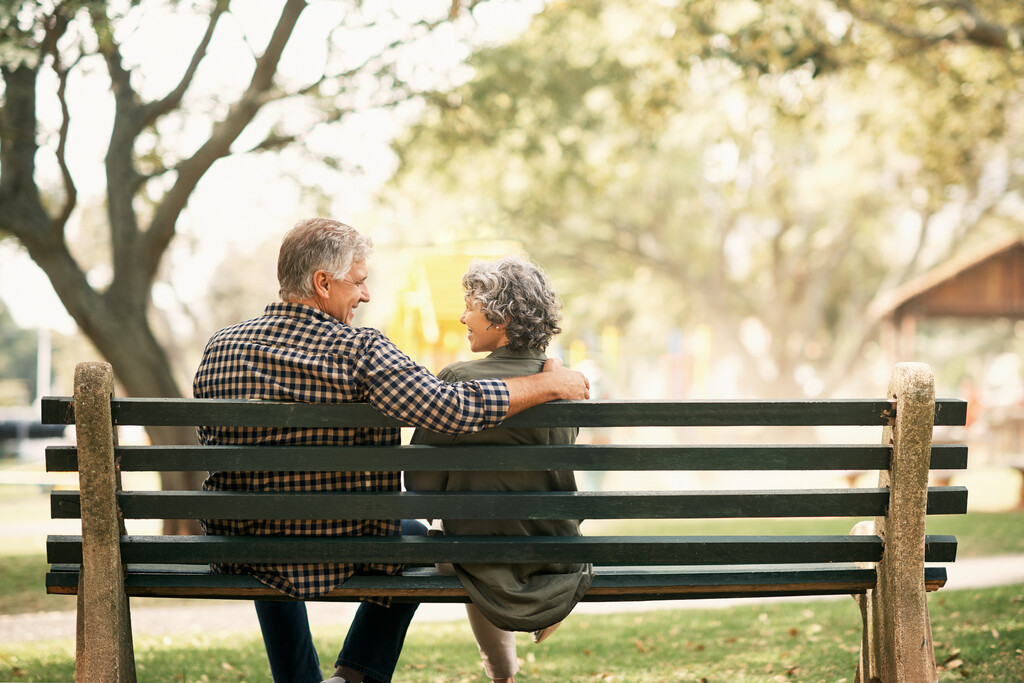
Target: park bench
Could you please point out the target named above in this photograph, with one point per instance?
(882, 564)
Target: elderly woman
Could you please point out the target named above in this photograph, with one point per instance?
(512, 313)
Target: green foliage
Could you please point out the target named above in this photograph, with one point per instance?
(769, 166)
(18, 351)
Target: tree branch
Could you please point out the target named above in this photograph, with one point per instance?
(225, 132)
(171, 101)
(57, 25)
(122, 178)
(21, 210)
(120, 78)
(973, 28)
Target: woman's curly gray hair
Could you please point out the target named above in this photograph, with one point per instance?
(317, 244)
(519, 295)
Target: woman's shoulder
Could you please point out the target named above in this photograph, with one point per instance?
(494, 366)
(458, 371)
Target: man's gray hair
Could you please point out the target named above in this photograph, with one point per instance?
(317, 244)
(515, 293)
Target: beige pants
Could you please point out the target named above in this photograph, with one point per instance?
(497, 646)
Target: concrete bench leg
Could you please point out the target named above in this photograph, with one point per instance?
(897, 638)
(104, 650)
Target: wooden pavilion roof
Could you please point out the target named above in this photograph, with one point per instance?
(986, 283)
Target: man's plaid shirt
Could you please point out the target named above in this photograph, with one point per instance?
(294, 352)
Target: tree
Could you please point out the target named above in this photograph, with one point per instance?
(155, 158)
(18, 357)
(766, 169)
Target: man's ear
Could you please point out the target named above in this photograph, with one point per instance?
(321, 283)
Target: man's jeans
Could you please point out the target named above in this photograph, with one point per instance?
(372, 646)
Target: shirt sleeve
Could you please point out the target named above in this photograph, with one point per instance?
(399, 388)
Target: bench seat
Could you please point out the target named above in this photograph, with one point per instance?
(424, 584)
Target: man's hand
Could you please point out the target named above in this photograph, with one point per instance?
(577, 384)
(555, 382)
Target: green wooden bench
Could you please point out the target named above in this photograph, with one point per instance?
(882, 563)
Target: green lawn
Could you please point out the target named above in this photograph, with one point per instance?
(979, 635)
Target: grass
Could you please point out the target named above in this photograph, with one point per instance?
(979, 635)
(21, 577)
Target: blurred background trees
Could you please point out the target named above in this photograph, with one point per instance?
(733, 182)
(161, 92)
(761, 172)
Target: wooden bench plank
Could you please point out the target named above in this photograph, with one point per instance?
(491, 505)
(425, 584)
(507, 458)
(413, 550)
(189, 412)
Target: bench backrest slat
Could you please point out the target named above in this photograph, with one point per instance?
(602, 550)
(506, 458)
(190, 412)
(867, 502)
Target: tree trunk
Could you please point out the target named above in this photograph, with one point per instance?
(142, 367)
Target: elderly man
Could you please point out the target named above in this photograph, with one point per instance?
(306, 349)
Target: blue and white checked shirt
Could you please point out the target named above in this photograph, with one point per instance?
(294, 352)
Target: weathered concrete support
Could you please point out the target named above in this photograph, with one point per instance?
(104, 648)
(897, 639)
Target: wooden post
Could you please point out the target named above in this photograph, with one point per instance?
(897, 643)
(104, 649)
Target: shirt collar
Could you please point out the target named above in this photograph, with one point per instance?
(285, 309)
(506, 352)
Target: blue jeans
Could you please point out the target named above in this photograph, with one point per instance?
(372, 646)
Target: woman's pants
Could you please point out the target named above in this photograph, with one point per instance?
(497, 646)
